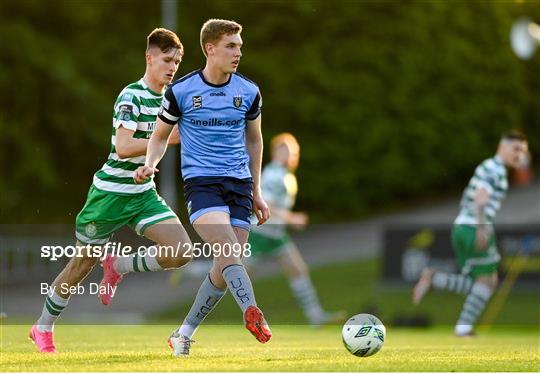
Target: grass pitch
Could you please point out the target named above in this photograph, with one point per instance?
(293, 348)
(222, 345)
(356, 288)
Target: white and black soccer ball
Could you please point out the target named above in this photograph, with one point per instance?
(363, 335)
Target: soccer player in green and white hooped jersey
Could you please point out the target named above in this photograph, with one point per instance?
(279, 188)
(473, 238)
(136, 109)
(115, 200)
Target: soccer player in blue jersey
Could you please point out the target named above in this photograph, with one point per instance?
(218, 112)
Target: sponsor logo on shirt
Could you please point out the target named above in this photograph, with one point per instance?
(216, 122)
(197, 102)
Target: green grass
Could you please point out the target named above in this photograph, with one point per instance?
(355, 287)
(293, 348)
(223, 345)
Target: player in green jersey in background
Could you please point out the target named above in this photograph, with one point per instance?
(473, 238)
(279, 189)
(115, 200)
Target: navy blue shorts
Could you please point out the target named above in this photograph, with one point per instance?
(221, 194)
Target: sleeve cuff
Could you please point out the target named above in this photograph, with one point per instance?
(130, 125)
(253, 116)
(168, 118)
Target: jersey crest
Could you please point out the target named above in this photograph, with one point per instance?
(237, 101)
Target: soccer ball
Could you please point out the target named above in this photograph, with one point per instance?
(363, 335)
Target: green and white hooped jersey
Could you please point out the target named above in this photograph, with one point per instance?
(491, 175)
(279, 188)
(136, 109)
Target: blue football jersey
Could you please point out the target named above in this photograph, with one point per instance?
(212, 120)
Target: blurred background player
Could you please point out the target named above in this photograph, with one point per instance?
(114, 200)
(218, 112)
(279, 189)
(473, 238)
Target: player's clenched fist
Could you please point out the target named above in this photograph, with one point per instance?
(143, 173)
(261, 209)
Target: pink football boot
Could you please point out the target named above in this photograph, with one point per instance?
(43, 340)
(110, 279)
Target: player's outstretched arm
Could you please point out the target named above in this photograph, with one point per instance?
(297, 220)
(254, 146)
(157, 145)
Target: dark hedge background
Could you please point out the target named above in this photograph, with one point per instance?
(392, 101)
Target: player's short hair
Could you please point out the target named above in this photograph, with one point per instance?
(285, 138)
(513, 135)
(213, 29)
(164, 39)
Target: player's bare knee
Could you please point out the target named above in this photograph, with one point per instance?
(216, 233)
(489, 281)
(494, 282)
(292, 270)
(301, 269)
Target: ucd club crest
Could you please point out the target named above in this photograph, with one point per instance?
(237, 101)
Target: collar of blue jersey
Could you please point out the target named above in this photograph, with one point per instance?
(211, 84)
(498, 159)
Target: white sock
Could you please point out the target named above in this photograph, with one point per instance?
(136, 263)
(463, 329)
(474, 306)
(305, 294)
(52, 308)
